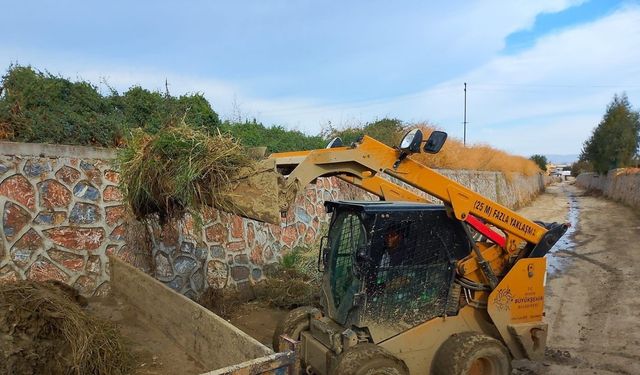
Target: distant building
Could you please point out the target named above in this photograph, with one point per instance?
(561, 170)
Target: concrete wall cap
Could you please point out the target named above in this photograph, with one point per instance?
(56, 150)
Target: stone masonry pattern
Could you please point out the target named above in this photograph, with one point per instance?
(230, 250)
(63, 216)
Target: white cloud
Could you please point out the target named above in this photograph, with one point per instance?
(542, 100)
(513, 103)
(568, 76)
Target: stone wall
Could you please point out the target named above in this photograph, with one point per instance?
(63, 214)
(228, 249)
(512, 190)
(622, 185)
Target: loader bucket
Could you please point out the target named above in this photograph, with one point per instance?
(254, 193)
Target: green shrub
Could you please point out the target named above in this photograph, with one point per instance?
(540, 160)
(41, 107)
(276, 138)
(151, 110)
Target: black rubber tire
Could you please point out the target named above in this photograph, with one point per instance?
(369, 359)
(295, 322)
(461, 352)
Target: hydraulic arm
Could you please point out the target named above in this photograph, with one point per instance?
(364, 163)
(497, 288)
(500, 236)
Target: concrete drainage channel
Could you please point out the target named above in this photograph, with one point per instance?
(208, 339)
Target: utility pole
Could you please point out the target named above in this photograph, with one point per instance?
(464, 140)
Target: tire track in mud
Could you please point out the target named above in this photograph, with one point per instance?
(586, 258)
(608, 271)
(592, 303)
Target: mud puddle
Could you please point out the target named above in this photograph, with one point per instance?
(557, 258)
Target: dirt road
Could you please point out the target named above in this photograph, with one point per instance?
(592, 300)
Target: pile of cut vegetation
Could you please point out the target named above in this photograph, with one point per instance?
(284, 288)
(224, 302)
(288, 288)
(44, 330)
(293, 282)
(180, 169)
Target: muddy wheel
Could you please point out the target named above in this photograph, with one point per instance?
(293, 324)
(369, 359)
(472, 353)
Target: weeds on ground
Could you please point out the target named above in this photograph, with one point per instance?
(224, 302)
(295, 281)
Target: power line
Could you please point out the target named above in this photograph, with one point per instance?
(322, 106)
(543, 86)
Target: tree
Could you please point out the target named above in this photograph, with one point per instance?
(614, 142)
(540, 160)
(580, 166)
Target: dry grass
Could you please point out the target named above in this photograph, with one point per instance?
(179, 169)
(454, 155)
(295, 281)
(43, 328)
(288, 288)
(285, 287)
(224, 302)
(628, 171)
(6, 131)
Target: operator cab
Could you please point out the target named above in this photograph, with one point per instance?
(389, 266)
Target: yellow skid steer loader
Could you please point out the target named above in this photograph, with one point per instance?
(410, 287)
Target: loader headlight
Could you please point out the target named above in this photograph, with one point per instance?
(411, 141)
(336, 142)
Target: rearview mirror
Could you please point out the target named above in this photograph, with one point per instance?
(435, 142)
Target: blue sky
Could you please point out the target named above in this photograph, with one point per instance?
(540, 73)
